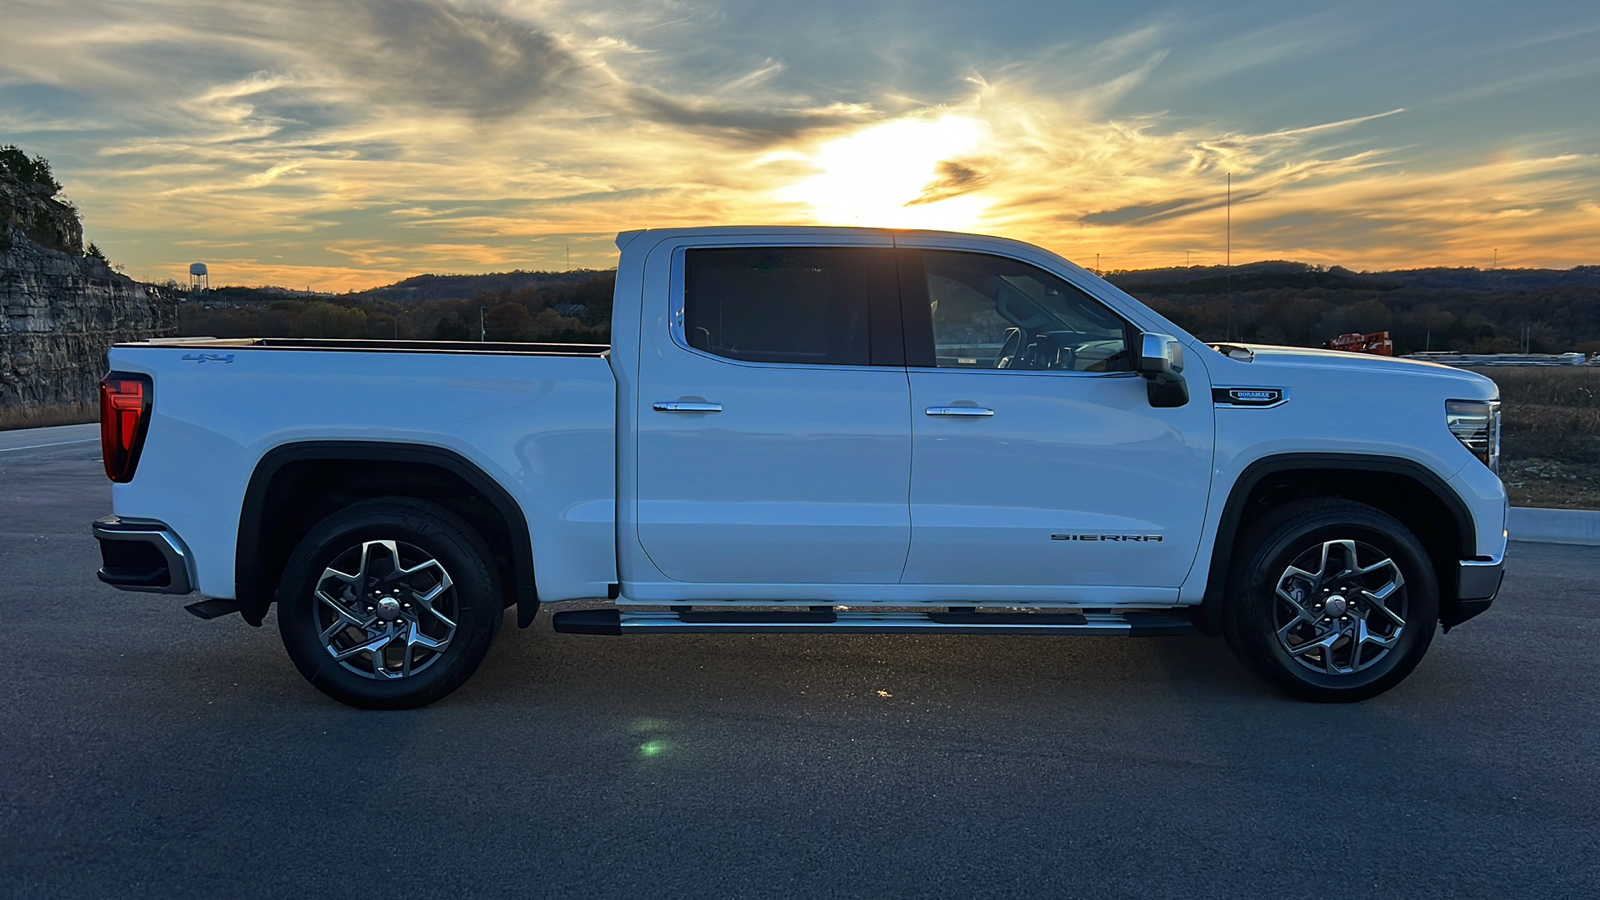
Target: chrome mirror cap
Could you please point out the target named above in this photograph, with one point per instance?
(1160, 361)
(1160, 354)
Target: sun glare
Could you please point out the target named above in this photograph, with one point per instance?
(889, 175)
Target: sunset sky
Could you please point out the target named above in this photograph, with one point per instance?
(344, 144)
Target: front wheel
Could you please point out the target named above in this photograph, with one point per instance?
(1334, 601)
(388, 604)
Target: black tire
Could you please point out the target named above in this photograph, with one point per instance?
(418, 531)
(1338, 673)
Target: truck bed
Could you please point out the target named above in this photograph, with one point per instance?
(539, 419)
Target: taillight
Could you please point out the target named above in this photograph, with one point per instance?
(124, 418)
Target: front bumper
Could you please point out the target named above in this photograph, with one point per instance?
(1477, 584)
(142, 556)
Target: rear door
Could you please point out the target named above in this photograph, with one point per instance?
(1037, 458)
(774, 434)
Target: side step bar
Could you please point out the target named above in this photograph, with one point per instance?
(825, 620)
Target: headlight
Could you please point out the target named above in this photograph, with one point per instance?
(1476, 423)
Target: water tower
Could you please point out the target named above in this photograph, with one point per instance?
(199, 277)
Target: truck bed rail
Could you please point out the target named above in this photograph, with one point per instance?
(364, 345)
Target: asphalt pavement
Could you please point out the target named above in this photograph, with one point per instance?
(146, 753)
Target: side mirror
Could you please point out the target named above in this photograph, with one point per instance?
(1160, 361)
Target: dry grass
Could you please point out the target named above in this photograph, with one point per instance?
(1576, 387)
(1550, 450)
(70, 414)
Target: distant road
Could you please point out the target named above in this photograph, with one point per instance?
(60, 435)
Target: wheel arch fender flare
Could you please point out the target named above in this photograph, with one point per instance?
(1209, 614)
(248, 562)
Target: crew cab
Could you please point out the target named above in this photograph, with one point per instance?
(811, 430)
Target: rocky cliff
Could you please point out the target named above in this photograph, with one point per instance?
(60, 310)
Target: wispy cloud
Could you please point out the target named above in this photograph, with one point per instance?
(1270, 44)
(758, 126)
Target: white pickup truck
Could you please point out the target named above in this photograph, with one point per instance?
(811, 430)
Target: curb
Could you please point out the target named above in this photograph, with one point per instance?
(32, 438)
(1554, 526)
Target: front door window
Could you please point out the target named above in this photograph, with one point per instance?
(994, 313)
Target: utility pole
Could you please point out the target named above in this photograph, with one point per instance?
(569, 257)
(1097, 265)
(1496, 263)
(483, 334)
(1229, 238)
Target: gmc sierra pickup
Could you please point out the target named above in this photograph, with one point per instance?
(811, 430)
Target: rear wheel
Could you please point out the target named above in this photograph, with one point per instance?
(389, 604)
(1334, 601)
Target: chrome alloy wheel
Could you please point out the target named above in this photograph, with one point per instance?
(386, 609)
(1340, 607)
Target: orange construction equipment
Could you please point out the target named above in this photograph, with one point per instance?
(1378, 343)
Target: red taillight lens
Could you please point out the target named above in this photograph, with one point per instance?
(124, 417)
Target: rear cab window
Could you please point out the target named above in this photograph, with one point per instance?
(829, 306)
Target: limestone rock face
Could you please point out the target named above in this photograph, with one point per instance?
(61, 311)
(31, 209)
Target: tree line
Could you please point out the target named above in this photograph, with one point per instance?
(529, 314)
(1542, 311)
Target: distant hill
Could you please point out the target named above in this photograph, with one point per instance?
(1278, 274)
(1495, 279)
(1251, 276)
(414, 290)
(422, 288)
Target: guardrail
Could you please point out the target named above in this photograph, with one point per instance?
(1505, 359)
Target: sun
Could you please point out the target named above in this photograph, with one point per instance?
(887, 176)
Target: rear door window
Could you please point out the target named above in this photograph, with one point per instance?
(793, 305)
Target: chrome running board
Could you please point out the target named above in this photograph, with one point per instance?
(827, 620)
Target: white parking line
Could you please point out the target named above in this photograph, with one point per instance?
(56, 444)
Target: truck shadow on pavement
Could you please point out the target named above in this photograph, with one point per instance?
(948, 668)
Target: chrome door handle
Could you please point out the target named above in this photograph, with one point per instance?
(968, 411)
(686, 406)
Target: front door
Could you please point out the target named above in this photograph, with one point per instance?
(1037, 458)
(774, 428)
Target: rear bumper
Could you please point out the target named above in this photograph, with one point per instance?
(1477, 584)
(142, 556)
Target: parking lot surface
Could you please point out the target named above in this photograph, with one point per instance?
(146, 753)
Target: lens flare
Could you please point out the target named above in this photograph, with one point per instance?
(890, 175)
